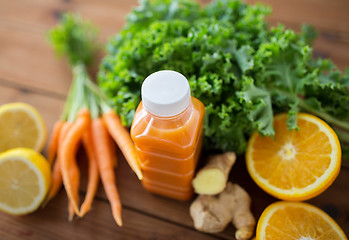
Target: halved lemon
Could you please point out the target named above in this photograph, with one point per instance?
(297, 221)
(21, 125)
(296, 165)
(25, 177)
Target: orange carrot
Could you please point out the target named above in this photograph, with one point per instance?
(113, 152)
(75, 187)
(53, 142)
(105, 166)
(70, 170)
(70, 211)
(123, 139)
(93, 175)
(56, 182)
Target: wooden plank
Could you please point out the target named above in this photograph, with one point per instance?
(334, 200)
(31, 62)
(40, 15)
(337, 52)
(328, 15)
(134, 196)
(50, 108)
(51, 223)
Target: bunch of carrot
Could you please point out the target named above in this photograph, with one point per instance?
(88, 120)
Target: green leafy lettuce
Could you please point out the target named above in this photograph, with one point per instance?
(240, 69)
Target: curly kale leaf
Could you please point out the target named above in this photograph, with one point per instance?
(284, 66)
(242, 71)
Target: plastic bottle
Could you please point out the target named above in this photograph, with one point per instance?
(167, 132)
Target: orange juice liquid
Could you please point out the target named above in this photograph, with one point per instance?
(169, 149)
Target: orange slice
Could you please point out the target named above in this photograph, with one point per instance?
(297, 220)
(295, 165)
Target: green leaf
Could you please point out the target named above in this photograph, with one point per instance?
(257, 105)
(291, 122)
(244, 58)
(308, 33)
(240, 69)
(74, 38)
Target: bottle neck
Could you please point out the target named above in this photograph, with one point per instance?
(172, 121)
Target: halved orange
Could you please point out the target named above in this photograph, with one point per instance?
(295, 165)
(297, 220)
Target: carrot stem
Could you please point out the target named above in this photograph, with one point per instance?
(123, 139)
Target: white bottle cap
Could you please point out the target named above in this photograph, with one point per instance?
(165, 93)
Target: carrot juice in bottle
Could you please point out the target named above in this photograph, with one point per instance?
(167, 132)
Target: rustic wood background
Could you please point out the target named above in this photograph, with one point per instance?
(31, 73)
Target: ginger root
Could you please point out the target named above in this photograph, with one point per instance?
(213, 213)
(213, 177)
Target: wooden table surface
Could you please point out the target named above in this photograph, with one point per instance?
(31, 73)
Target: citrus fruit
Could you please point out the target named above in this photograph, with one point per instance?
(21, 125)
(295, 165)
(297, 220)
(24, 180)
